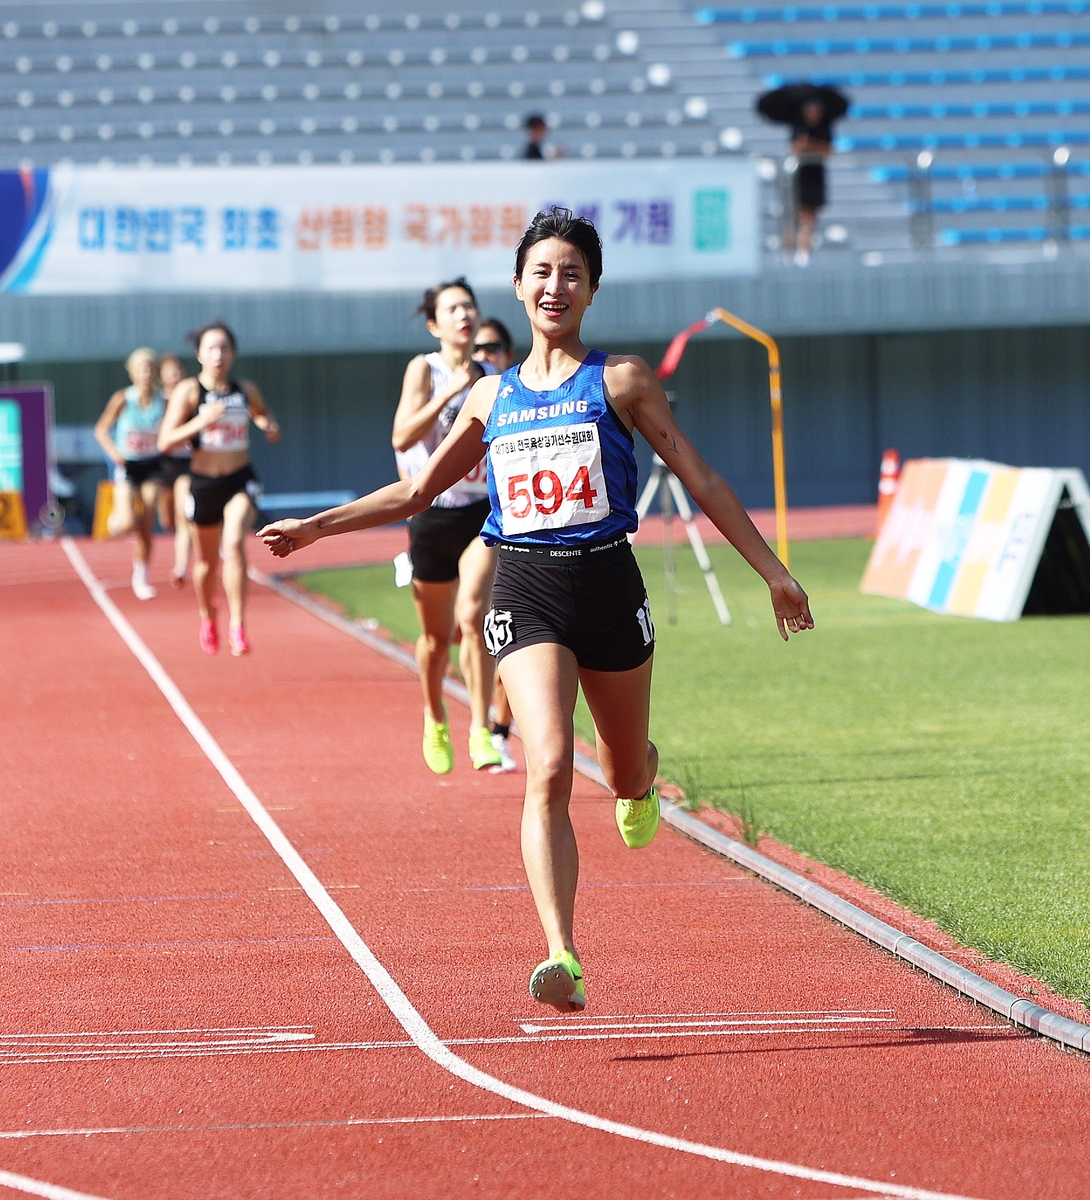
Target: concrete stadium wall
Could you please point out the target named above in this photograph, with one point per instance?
(1020, 396)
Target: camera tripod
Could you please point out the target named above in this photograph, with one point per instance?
(672, 497)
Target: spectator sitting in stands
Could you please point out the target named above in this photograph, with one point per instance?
(536, 133)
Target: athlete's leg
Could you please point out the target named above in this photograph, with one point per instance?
(121, 518)
(542, 683)
(167, 506)
(620, 703)
(181, 527)
(206, 557)
(238, 517)
(145, 522)
(476, 570)
(500, 704)
(435, 610)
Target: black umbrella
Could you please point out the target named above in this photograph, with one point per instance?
(784, 105)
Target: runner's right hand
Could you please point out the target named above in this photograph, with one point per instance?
(283, 537)
(212, 412)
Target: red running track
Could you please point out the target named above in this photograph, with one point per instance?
(180, 1020)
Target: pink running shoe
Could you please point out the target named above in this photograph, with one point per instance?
(239, 644)
(209, 636)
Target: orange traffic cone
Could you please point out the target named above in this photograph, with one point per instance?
(888, 477)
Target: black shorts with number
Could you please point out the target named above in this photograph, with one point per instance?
(208, 494)
(438, 538)
(591, 600)
(172, 468)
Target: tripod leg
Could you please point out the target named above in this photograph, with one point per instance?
(649, 490)
(666, 504)
(697, 543)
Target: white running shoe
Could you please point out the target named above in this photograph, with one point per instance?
(141, 589)
(508, 764)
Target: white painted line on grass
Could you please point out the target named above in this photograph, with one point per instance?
(383, 982)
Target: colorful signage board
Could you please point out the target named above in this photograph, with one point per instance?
(966, 536)
(73, 230)
(26, 423)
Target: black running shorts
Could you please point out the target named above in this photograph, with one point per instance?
(208, 494)
(810, 185)
(138, 471)
(438, 538)
(594, 603)
(171, 469)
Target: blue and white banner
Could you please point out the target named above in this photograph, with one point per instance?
(75, 230)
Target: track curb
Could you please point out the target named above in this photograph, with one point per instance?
(1016, 1009)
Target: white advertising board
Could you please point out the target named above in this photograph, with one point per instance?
(366, 228)
(966, 537)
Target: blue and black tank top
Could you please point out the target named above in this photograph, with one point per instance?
(561, 466)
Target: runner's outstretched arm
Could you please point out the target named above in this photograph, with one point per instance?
(455, 457)
(640, 393)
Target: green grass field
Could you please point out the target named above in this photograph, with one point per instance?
(943, 761)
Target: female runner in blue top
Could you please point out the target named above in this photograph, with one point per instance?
(568, 604)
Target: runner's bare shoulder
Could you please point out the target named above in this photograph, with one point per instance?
(482, 395)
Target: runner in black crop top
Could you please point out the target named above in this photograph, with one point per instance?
(213, 412)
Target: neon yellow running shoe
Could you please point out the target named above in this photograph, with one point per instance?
(638, 820)
(559, 982)
(482, 753)
(438, 752)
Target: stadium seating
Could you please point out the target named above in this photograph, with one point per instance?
(358, 81)
(192, 85)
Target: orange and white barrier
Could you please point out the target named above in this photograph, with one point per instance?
(889, 475)
(966, 536)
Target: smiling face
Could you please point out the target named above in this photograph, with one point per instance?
(456, 318)
(555, 287)
(215, 353)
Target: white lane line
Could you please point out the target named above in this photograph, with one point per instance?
(383, 982)
(121, 1054)
(35, 1187)
(20, 1134)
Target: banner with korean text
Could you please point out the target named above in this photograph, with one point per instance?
(980, 539)
(76, 230)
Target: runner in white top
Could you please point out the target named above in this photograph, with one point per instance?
(452, 567)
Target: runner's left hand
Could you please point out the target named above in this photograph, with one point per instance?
(791, 606)
(283, 537)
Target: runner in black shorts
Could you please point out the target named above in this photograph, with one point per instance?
(127, 432)
(558, 434)
(215, 411)
(174, 478)
(452, 567)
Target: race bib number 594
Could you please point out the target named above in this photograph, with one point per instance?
(549, 479)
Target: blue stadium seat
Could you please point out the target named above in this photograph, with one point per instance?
(790, 14)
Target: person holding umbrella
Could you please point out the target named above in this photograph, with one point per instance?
(810, 110)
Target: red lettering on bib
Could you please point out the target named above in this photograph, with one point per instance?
(549, 479)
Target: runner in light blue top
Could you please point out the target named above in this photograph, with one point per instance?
(127, 431)
(569, 610)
